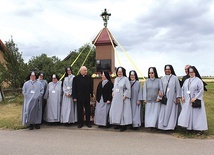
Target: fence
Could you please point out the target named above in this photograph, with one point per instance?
(6, 92)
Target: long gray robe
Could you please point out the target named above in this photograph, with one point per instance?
(120, 111)
(32, 109)
(102, 110)
(53, 96)
(169, 113)
(101, 113)
(69, 108)
(152, 107)
(44, 85)
(136, 95)
(193, 118)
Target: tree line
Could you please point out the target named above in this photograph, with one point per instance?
(14, 70)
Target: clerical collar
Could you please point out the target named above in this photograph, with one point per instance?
(82, 75)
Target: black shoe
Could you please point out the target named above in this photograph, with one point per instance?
(80, 126)
(199, 133)
(67, 124)
(37, 126)
(123, 128)
(31, 127)
(135, 128)
(89, 125)
(108, 125)
(117, 127)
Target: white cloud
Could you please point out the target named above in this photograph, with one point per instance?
(154, 33)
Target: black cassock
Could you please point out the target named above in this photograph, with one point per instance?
(183, 79)
(82, 90)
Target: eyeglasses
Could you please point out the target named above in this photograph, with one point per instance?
(151, 73)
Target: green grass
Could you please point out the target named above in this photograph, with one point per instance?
(10, 113)
(209, 103)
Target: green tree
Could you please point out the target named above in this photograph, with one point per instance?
(48, 65)
(89, 63)
(14, 68)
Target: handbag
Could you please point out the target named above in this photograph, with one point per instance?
(164, 98)
(196, 103)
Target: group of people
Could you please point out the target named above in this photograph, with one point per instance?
(57, 101)
(168, 101)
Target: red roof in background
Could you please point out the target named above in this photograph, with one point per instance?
(104, 38)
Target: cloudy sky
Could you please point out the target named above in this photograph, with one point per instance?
(153, 32)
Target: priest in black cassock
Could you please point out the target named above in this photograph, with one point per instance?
(186, 76)
(82, 90)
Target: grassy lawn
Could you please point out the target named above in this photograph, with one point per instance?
(10, 113)
(11, 109)
(209, 102)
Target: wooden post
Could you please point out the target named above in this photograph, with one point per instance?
(105, 54)
(1, 93)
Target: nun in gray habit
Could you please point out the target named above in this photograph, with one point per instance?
(136, 99)
(44, 84)
(103, 98)
(120, 112)
(32, 107)
(151, 91)
(193, 88)
(69, 108)
(171, 88)
(53, 95)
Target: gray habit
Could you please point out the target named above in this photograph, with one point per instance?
(169, 112)
(32, 109)
(101, 112)
(69, 108)
(44, 85)
(193, 118)
(120, 111)
(136, 95)
(152, 107)
(53, 96)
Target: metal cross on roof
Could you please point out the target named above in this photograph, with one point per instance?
(105, 15)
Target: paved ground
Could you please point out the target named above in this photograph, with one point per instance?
(70, 140)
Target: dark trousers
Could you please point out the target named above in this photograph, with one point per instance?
(80, 106)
